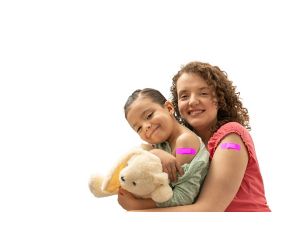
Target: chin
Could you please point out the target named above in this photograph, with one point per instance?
(193, 121)
(196, 124)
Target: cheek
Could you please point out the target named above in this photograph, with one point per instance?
(142, 136)
(212, 104)
(181, 107)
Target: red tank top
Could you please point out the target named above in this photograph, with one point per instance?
(251, 194)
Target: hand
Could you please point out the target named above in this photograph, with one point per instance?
(127, 200)
(169, 164)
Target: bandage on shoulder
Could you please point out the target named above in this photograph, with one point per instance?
(186, 151)
(230, 145)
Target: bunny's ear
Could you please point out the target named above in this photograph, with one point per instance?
(111, 183)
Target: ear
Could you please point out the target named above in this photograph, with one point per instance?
(169, 106)
(161, 178)
(111, 183)
(95, 186)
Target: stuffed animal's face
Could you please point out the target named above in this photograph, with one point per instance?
(139, 172)
(143, 174)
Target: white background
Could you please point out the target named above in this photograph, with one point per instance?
(66, 69)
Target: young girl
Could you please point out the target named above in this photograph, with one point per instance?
(205, 99)
(152, 117)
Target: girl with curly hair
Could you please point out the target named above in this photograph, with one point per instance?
(206, 101)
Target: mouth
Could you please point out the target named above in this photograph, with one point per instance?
(195, 112)
(152, 131)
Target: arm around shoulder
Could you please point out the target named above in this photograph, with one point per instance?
(223, 180)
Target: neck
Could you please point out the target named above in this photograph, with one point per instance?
(204, 137)
(204, 134)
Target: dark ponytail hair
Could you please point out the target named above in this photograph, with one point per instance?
(152, 94)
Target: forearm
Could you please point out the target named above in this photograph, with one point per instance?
(147, 204)
(196, 207)
(138, 204)
(179, 160)
(186, 208)
(129, 202)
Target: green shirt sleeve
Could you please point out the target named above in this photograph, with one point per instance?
(187, 187)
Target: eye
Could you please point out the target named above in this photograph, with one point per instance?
(138, 130)
(149, 116)
(134, 184)
(183, 97)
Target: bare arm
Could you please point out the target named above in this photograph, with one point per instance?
(222, 182)
(172, 162)
(186, 140)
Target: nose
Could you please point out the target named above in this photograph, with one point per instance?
(147, 127)
(122, 178)
(193, 100)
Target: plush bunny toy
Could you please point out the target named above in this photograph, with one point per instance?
(139, 172)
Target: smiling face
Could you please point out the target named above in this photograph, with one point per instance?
(196, 102)
(153, 122)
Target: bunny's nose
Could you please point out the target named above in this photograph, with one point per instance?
(122, 178)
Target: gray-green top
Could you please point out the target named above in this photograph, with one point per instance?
(187, 187)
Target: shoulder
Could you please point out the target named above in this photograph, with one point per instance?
(231, 149)
(188, 139)
(232, 126)
(230, 131)
(230, 160)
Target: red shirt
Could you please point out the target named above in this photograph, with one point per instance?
(251, 194)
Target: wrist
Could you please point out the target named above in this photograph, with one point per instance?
(146, 204)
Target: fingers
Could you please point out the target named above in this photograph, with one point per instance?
(167, 169)
(121, 192)
(180, 170)
(124, 192)
(171, 170)
(174, 173)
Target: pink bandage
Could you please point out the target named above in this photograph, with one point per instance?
(185, 151)
(230, 145)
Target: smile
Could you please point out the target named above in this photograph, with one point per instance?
(195, 112)
(152, 131)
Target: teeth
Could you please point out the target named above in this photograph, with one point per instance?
(196, 112)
